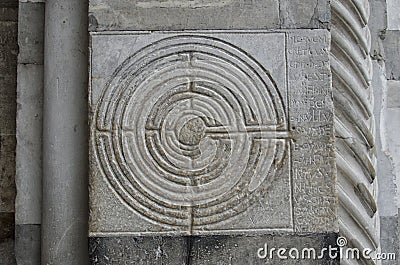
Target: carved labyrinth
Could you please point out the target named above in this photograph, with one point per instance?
(189, 130)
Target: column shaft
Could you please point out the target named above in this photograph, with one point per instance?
(65, 155)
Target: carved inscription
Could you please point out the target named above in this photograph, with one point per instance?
(189, 131)
(311, 119)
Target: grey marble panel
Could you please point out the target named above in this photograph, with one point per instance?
(196, 133)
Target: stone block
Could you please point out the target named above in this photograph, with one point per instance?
(9, 3)
(392, 54)
(7, 238)
(389, 237)
(387, 188)
(7, 252)
(137, 250)
(8, 49)
(207, 14)
(393, 16)
(6, 225)
(393, 96)
(309, 14)
(8, 64)
(218, 250)
(27, 247)
(7, 173)
(311, 123)
(182, 15)
(377, 25)
(198, 133)
(7, 105)
(8, 14)
(227, 158)
(31, 33)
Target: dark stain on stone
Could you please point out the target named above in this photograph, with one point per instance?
(6, 226)
(93, 23)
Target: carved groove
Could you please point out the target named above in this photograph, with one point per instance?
(366, 198)
(189, 131)
(352, 73)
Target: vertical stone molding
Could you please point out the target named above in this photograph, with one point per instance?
(29, 132)
(354, 124)
(65, 156)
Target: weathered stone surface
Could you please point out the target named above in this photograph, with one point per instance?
(65, 141)
(391, 124)
(311, 121)
(137, 250)
(8, 55)
(8, 14)
(8, 63)
(7, 173)
(377, 26)
(30, 33)
(246, 249)
(190, 133)
(28, 202)
(207, 14)
(387, 187)
(29, 147)
(390, 237)
(7, 252)
(392, 54)
(7, 105)
(7, 239)
(387, 114)
(218, 250)
(393, 14)
(7, 225)
(204, 128)
(393, 94)
(305, 14)
(179, 15)
(27, 247)
(9, 3)
(32, 1)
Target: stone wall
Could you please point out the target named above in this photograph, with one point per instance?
(8, 83)
(254, 80)
(334, 69)
(385, 54)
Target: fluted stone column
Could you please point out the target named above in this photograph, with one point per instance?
(65, 156)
